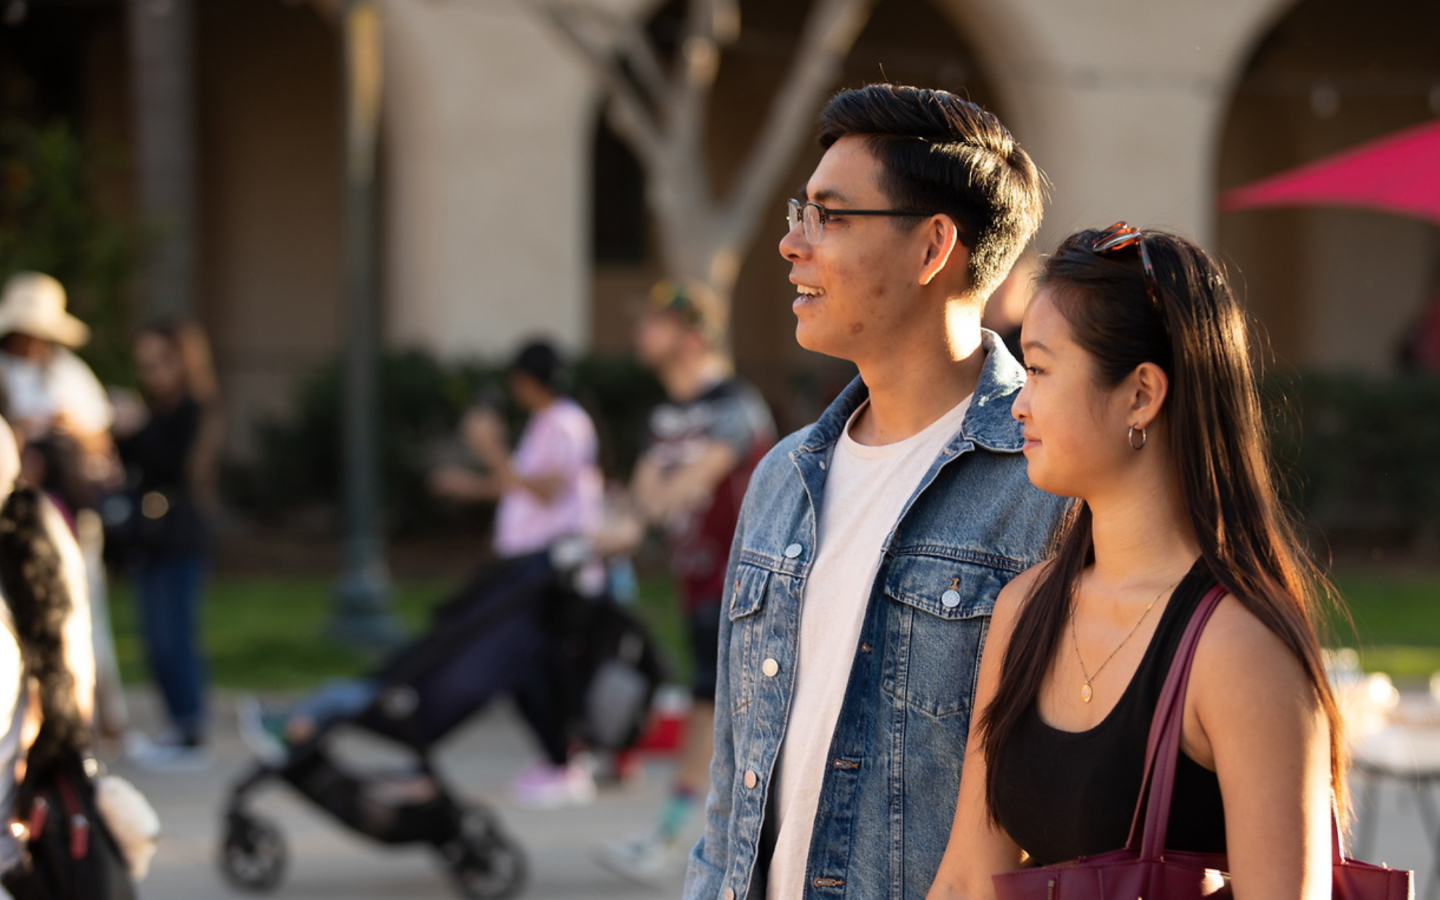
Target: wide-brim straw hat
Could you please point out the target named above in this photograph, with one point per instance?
(34, 304)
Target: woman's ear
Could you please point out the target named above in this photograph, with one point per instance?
(942, 240)
(1150, 388)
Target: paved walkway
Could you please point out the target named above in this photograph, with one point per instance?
(329, 863)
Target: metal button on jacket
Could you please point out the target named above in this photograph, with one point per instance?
(751, 779)
(793, 551)
(770, 667)
(951, 599)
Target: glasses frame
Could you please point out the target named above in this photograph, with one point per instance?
(796, 214)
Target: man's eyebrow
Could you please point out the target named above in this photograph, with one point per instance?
(827, 195)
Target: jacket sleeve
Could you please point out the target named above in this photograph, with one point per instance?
(709, 860)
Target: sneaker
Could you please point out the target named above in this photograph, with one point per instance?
(543, 786)
(647, 859)
(167, 753)
(263, 732)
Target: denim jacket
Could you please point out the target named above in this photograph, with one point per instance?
(888, 796)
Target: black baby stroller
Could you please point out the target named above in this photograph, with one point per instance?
(515, 621)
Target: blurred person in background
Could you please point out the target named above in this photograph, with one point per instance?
(548, 488)
(704, 442)
(23, 657)
(61, 418)
(169, 442)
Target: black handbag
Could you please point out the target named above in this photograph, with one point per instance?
(70, 853)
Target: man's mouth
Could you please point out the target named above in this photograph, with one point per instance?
(805, 293)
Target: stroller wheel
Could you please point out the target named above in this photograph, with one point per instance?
(484, 863)
(253, 855)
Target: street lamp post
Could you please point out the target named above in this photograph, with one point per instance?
(362, 613)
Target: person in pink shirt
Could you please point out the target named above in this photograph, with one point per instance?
(550, 486)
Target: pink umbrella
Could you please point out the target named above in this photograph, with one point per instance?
(1399, 173)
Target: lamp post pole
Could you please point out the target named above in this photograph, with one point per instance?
(362, 615)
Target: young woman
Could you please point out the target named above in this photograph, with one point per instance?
(170, 449)
(1142, 404)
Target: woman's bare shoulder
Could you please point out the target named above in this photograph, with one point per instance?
(1013, 596)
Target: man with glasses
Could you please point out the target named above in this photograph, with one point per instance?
(872, 543)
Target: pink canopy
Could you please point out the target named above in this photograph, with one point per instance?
(1399, 173)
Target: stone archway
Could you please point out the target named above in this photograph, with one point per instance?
(1335, 288)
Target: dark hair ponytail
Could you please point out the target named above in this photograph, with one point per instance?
(1187, 321)
(33, 580)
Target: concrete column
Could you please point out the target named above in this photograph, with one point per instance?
(488, 127)
(161, 42)
(1119, 102)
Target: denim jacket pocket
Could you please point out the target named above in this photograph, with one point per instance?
(939, 622)
(747, 630)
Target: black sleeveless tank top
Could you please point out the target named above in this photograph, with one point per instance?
(1066, 794)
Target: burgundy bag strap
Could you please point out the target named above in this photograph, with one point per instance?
(1163, 747)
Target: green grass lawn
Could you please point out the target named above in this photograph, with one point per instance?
(1397, 622)
(270, 634)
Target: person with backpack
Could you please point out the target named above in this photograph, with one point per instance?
(56, 844)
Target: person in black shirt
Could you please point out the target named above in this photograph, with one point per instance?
(169, 449)
(1142, 403)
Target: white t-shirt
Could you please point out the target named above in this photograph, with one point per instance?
(864, 492)
(37, 392)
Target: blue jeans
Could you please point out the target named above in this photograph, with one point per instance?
(169, 593)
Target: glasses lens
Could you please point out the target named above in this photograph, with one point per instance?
(814, 224)
(792, 213)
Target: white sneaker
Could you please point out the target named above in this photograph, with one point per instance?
(259, 731)
(647, 859)
(543, 786)
(166, 754)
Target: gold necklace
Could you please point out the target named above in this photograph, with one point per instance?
(1087, 691)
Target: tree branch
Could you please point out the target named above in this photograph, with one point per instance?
(830, 31)
(629, 114)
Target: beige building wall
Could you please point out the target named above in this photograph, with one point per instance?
(488, 137)
(489, 127)
(1119, 102)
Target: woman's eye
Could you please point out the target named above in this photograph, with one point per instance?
(1032, 370)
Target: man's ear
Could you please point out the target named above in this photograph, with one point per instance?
(941, 244)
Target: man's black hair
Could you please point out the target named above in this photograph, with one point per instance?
(542, 362)
(940, 152)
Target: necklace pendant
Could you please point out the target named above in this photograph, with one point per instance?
(1086, 692)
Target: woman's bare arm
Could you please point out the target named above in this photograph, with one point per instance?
(1252, 715)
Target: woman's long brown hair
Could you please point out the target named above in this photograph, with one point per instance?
(1192, 327)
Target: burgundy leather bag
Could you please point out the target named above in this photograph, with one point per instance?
(1144, 868)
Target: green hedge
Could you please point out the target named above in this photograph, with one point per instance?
(298, 463)
(1360, 456)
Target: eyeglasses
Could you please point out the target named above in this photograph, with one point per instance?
(1121, 236)
(814, 216)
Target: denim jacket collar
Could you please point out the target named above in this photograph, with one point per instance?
(988, 423)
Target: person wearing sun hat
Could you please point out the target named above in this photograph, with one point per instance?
(61, 416)
(47, 386)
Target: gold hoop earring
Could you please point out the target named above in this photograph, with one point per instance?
(1131, 437)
